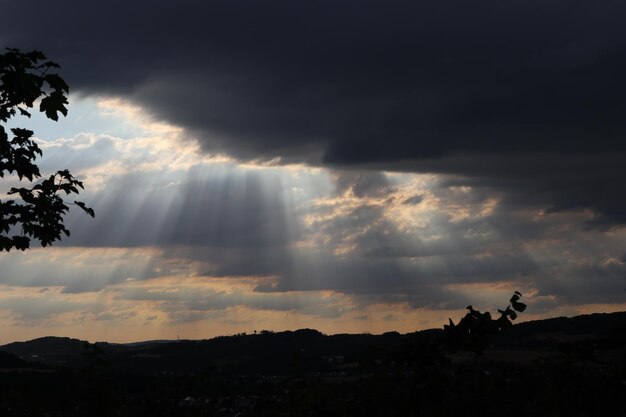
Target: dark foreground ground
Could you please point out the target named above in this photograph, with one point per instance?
(557, 367)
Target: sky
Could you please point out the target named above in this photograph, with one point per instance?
(349, 166)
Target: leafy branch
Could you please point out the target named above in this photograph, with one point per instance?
(38, 210)
(473, 330)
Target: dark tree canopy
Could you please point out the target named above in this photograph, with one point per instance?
(36, 211)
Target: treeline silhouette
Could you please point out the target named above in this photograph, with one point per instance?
(574, 366)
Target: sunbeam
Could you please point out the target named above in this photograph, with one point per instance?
(186, 242)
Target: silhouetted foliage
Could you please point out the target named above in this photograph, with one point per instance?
(473, 330)
(38, 210)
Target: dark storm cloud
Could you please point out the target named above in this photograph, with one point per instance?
(364, 82)
(557, 182)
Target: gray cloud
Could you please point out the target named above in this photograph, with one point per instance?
(220, 219)
(76, 271)
(521, 102)
(425, 86)
(416, 199)
(35, 310)
(192, 304)
(362, 183)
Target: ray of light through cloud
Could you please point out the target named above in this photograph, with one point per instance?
(198, 244)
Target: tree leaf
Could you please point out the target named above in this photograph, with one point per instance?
(57, 83)
(85, 208)
(518, 306)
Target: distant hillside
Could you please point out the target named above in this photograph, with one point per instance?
(563, 329)
(49, 350)
(597, 324)
(10, 361)
(556, 367)
(48, 345)
(303, 350)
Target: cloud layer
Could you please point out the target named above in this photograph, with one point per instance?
(380, 237)
(417, 155)
(419, 86)
(180, 239)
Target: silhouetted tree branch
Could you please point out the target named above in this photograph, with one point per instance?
(34, 212)
(473, 330)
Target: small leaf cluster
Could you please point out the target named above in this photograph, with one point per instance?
(473, 330)
(40, 212)
(24, 78)
(37, 210)
(511, 310)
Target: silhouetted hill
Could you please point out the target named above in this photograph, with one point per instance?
(304, 350)
(563, 366)
(564, 330)
(49, 345)
(145, 343)
(51, 350)
(592, 324)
